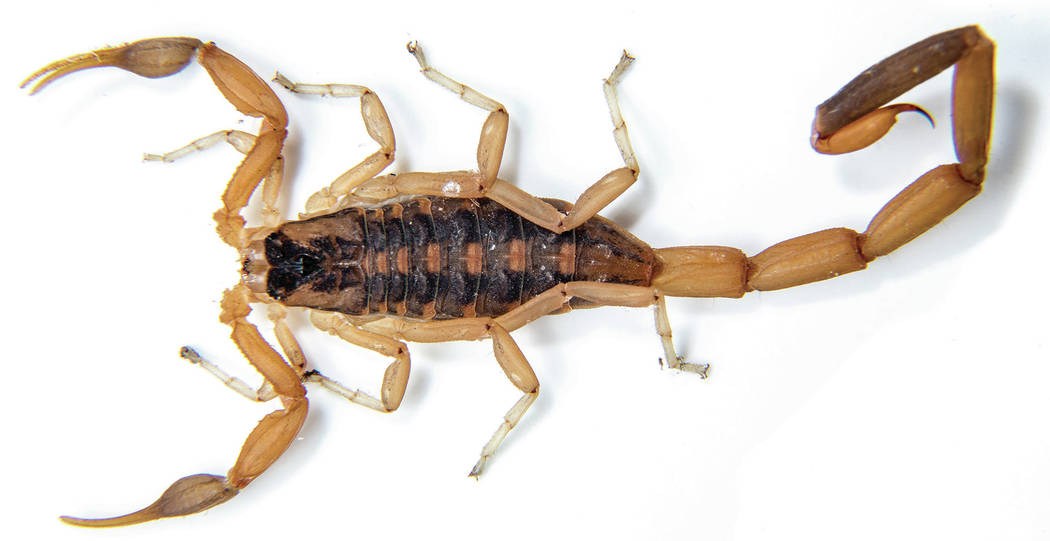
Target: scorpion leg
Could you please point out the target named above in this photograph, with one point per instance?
(243, 143)
(493, 131)
(239, 140)
(264, 444)
(265, 392)
(507, 353)
(603, 192)
(663, 330)
(395, 378)
(293, 352)
(490, 153)
(606, 294)
(520, 373)
(377, 123)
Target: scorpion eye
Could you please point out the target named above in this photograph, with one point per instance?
(288, 274)
(306, 264)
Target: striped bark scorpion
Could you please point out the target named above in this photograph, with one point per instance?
(378, 260)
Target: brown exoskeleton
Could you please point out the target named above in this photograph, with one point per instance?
(379, 260)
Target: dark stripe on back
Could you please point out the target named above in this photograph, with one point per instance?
(421, 282)
(459, 236)
(500, 287)
(396, 286)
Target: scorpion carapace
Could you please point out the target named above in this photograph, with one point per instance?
(378, 260)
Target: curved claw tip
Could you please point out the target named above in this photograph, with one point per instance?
(923, 112)
(186, 496)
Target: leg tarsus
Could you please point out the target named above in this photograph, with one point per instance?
(465, 92)
(701, 369)
(623, 142)
(240, 140)
(353, 395)
(510, 420)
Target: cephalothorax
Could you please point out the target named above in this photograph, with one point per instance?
(379, 260)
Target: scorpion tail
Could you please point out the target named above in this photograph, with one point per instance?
(701, 271)
(850, 120)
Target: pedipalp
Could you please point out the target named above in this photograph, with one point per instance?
(244, 89)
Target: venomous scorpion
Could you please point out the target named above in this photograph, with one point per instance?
(379, 260)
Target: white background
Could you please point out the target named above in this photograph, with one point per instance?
(906, 401)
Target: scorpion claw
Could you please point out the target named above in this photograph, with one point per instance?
(186, 496)
(151, 58)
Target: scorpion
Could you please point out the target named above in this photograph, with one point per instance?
(379, 260)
